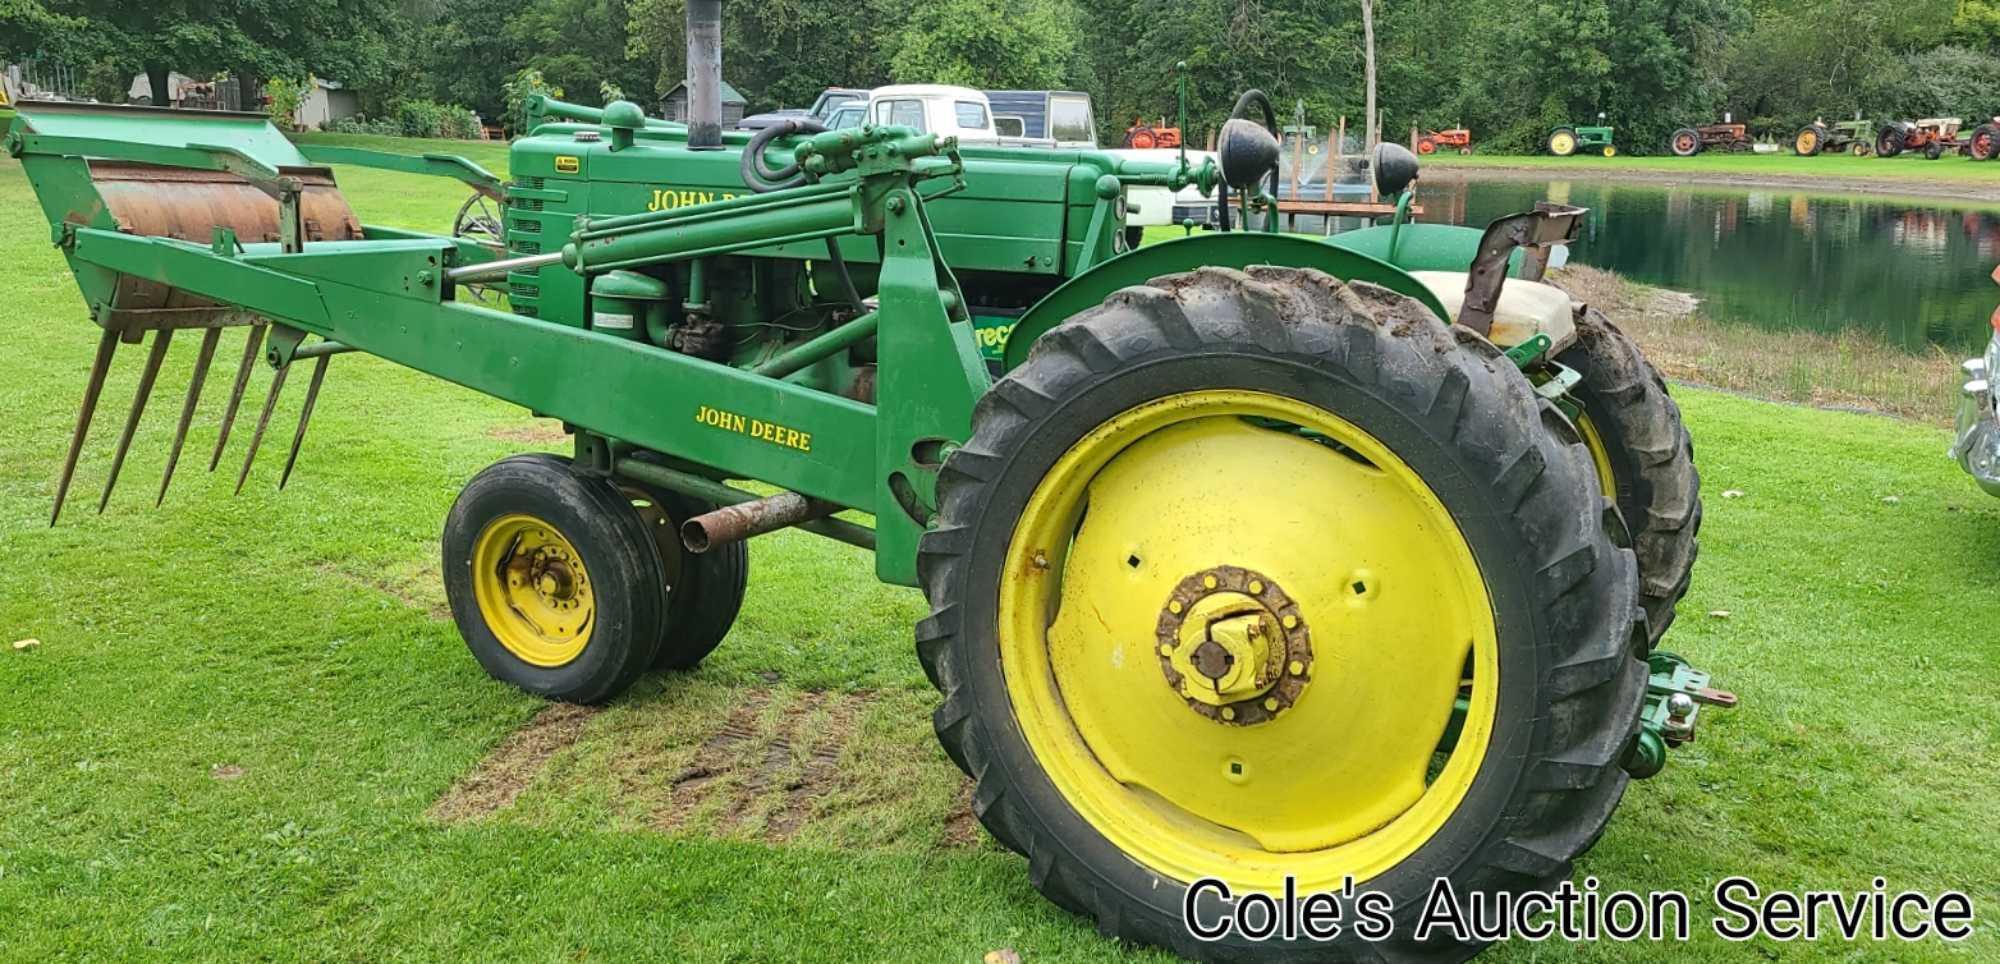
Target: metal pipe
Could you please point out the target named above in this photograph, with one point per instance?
(321, 349)
(704, 74)
(820, 346)
(735, 523)
(498, 269)
(709, 490)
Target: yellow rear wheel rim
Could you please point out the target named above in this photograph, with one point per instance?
(532, 589)
(1806, 142)
(1345, 778)
(1562, 143)
(1600, 456)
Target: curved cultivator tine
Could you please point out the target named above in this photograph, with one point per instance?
(161, 339)
(263, 422)
(107, 344)
(250, 347)
(208, 341)
(305, 415)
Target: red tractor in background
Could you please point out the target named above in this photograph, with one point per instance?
(1689, 141)
(1936, 135)
(1431, 141)
(1144, 136)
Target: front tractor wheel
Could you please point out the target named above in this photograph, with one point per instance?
(704, 589)
(1257, 576)
(1643, 457)
(553, 579)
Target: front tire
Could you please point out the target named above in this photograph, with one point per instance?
(1192, 370)
(704, 589)
(553, 579)
(1644, 460)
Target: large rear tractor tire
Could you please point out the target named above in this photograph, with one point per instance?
(1562, 143)
(1984, 144)
(1644, 459)
(1809, 140)
(553, 579)
(1317, 517)
(1889, 142)
(704, 589)
(1686, 142)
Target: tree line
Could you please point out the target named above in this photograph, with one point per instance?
(1508, 69)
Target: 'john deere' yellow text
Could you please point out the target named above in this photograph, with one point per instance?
(666, 199)
(756, 428)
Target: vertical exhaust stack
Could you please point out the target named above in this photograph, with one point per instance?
(704, 74)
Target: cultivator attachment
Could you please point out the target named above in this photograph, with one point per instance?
(149, 375)
(211, 178)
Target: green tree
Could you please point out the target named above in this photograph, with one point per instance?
(988, 44)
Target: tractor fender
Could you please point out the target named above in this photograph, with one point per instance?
(1419, 246)
(1224, 249)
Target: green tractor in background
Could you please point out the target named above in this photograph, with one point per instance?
(1852, 136)
(1569, 139)
(1280, 561)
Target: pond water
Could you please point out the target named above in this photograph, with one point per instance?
(1914, 272)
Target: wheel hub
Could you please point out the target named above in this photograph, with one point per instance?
(533, 590)
(1234, 645)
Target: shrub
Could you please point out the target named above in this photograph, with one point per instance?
(523, 85)
(424, 118)
(285, 95)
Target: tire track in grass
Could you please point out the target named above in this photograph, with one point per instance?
(498, 780)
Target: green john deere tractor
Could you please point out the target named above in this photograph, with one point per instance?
(1852, 136)
(1254, 557)
(1571, 139)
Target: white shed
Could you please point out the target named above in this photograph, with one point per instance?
(326, 101)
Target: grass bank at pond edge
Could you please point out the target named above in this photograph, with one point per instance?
(1852, 370)
(1952, 176)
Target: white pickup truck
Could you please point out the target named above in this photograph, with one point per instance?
(940, 109)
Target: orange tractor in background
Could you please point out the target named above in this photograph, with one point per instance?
(1143, 136)
(1431, 141)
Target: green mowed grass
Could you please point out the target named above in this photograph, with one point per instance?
(1785, 164)
(249, 730)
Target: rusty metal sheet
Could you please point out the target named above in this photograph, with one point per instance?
(170, 202)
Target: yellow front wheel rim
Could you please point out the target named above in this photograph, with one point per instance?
(1323, 540)
(1600, 455)
(533, 591)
